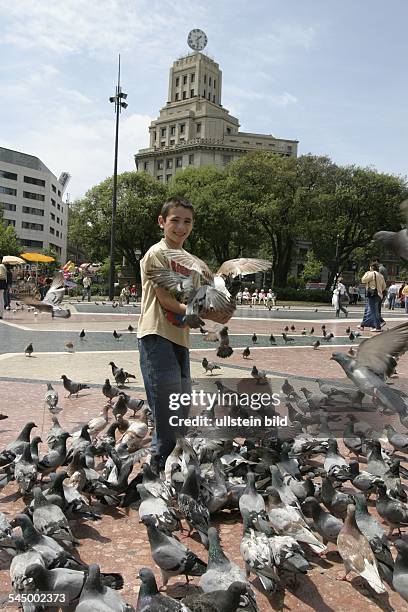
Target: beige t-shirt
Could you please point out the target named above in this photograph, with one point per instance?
(375, 280)
(154, 319)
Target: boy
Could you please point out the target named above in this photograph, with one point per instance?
(163, 337)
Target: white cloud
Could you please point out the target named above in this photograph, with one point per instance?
(238, 93)
(84, 147)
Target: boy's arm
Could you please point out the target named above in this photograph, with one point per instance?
(169, 302)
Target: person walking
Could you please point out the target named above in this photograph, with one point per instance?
(87, 282)
(405, 296)
(392, 295)
(3, 287)
(7, 301)
(375, 289)
(342, 298)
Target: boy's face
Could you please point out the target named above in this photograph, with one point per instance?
(177, 226)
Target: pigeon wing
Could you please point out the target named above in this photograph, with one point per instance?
(170, 280)
(191, 262)
(379, 353)
(243, 265)
(217, 300)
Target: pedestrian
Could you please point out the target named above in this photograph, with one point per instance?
(239, 297)
(401, 298)
(340, 298)
(246, 296)
(87, 282)
(163, 336)
(133, 293)
(7, 301)
(405, 296)
(124, 295)
(254, 298)
(3, 287)
(392, 295)
(375, 289)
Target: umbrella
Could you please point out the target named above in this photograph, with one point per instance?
(12, 260)
(37, 257)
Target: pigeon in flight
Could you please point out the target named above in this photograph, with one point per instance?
(204, 290)
(396, 241)
(52, 300)
(374, 362)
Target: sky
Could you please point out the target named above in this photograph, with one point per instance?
(329, 74)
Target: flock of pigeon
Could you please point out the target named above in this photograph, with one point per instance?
(293, 494)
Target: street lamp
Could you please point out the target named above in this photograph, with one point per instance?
(117, 99)
(337, 259)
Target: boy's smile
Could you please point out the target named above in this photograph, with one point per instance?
(177, 226)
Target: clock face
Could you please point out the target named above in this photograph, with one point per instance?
(197, 40)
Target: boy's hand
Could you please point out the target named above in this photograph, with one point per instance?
(194, 321)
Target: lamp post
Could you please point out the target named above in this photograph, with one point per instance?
(337, 259)
(117, 99)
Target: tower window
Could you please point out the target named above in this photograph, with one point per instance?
(179, 162)
(205, 78)
(214, 82)
(163, 132)
(184, 95)
(177, 97)
(160, 165)
(192, 93)
(177, 81)
(204, 93)
(192, 77)
(214, 99)
(209, 81)
(198, 128)
(209, 96)
(184, 79)
(191, 159)
(182, 128)
(172, 130)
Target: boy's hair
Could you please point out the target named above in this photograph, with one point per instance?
(374, 266)
(172, 203)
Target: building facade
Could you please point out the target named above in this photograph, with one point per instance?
(31, 201)
(194, 129)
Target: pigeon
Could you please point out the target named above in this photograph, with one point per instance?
(54, 433)
(192, 505)
(116, 335)
(49, 519)
(312, 330)
(17, 446)
(246, 353)
(328, 337)
(28, 351)
(286, 328)
(391, 510)
(52, 300)
(374, 361)
(316, 345)
(69, 346)
(120, 372)
(287, 339)
(55, 457)
(396, 241)
(51, 397)
(348, 329)
(224, 350)
(272, 339)
(149, 598)
(254, 338)
(292, 328)
(217, 601)
(327, 525)
(363, 481)
(131, 328)
(256, 552)
(82, 335)
(287, 520)
(96, 596)
(221, 572)
(303, 332)
(250, 500)
(164, 516)
(259, 375)
(397, 440)
(376, 538)
(172, 557)
(73, 387)
(356, 552)
(109, 391)
(209, 366)
(25, 471)
(400, 576)
(335, 501)
(352, 336)
(215, 292)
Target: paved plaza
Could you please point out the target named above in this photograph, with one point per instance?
(118, 542)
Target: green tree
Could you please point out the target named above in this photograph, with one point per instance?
(9, 242)
(312, 268)
(139, 199)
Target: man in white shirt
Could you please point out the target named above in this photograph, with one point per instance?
(392, 295)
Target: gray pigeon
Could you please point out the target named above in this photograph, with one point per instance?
(164, 516)
(204, 290)
(109, 391)
(396, 241)
(55, 457)
(256, 552)
(73, 387)
(335, 501)
(391, 510)
(374, 361)
(96, 596)
(25, 471)
(17, 446)
(221, 572)
(51, 397)
(327, 525)
(19, 564)
(192, 505)
(209, 366)
(5, 529)
(250, 500)
(50, 520)
(400, 577)
(397, 440)
(54, 434)
(150, 600)
(172, 557)
(217, 601)
(363, 481)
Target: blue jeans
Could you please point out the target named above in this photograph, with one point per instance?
(165, 369)
(406, 304)
(371, 316)
(391, 301)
